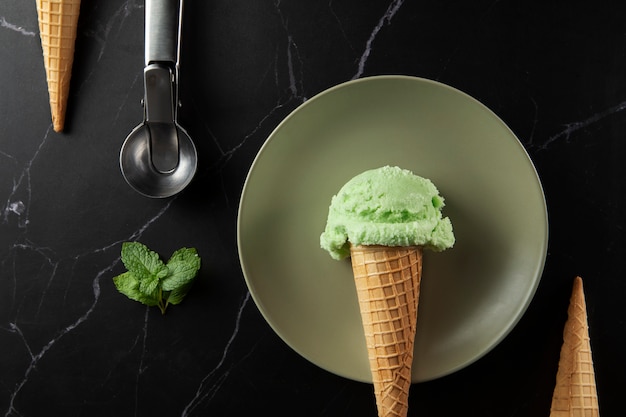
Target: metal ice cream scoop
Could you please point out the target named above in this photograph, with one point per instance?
(158, 158)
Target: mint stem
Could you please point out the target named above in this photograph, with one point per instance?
(162, 308)
(162, 305)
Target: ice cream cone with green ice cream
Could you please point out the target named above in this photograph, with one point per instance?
(383, 219)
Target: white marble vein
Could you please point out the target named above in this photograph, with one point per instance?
(101, 35)
(391, 11)
(17, 207)
(141, 367)
(122, 107)
(117, 19)
(14, 328)
(531, 136)
(573, 127)
(295, 84)
(106, 272)
(47, 257)
(227, 155)
(294, 88)
(134, 235)
(207, 389)
(36, 358)
(16, 28)
(44, 257)
(7, 156)
(23, 179)
(340, 24)
(294, 67)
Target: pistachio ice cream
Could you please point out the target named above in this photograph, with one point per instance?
(386, 206)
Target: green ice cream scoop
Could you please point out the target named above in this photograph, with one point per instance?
(386, 206)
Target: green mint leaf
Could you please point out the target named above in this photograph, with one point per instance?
(149, 284)
(152, 282)
(183, 267)
(128, 285)
(142, 262)
(163, 273)
(177, 295)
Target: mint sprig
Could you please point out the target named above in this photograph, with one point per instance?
(152, 282)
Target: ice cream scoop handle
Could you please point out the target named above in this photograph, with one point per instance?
(162, 30)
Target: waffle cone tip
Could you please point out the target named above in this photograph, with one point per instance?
(387, 280)
(58, 122)
(575, 393)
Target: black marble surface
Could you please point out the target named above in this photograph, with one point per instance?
(71, 345)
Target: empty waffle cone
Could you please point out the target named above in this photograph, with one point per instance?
(58, 20)
(575, 392)
(388, 283)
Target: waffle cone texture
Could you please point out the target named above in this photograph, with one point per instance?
(58, 21)
(575, 393)
(387, 281)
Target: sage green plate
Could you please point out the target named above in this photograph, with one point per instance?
(472, 295)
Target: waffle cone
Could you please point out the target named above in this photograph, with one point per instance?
(388, 283)
(575, 392)
(58, 20)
